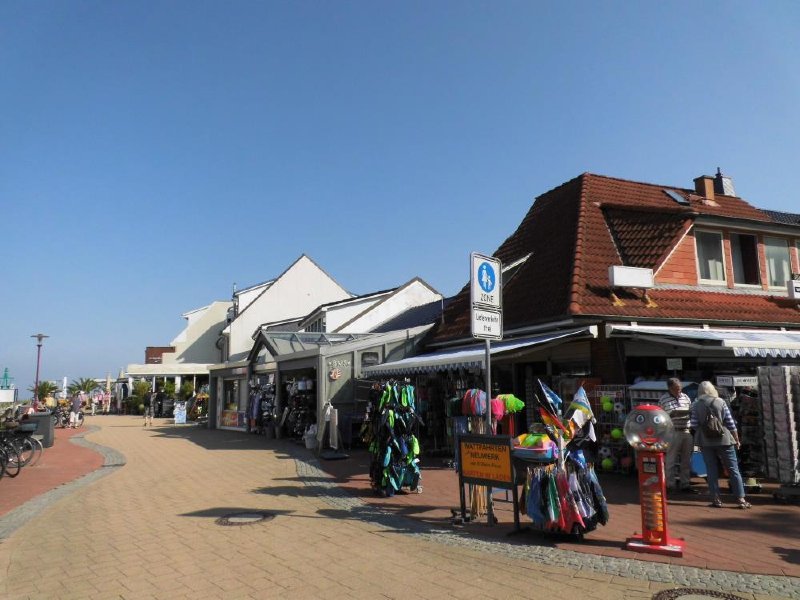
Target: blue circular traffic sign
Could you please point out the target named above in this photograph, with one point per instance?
(486, 277)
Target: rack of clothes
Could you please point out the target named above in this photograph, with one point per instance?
(391, 434)
(261, 409)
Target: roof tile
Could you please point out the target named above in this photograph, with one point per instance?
(580, 228)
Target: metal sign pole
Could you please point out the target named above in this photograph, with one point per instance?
(487, 323)
(489, 507)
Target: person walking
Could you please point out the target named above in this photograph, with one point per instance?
(149, 407)
(75, 408)
(679, 453)
(717, 445)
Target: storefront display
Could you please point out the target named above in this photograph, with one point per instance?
(261, 406)
(233, 410)
(746, 410)
(392, 441)
(611, 407)
(300, 411)
(780, 407)
(562, 491)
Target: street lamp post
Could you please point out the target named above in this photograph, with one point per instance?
(39, 337)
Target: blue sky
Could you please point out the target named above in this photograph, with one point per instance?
(154, 153)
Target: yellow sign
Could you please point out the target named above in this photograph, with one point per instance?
(491, 462)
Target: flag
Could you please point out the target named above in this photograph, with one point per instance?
(581, 414)
(552, 398)
(549, 419)
(580, 402)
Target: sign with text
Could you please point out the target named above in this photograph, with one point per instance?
(487, 324)
(674, 364)
(485, 460)
(486, 314)
(485, 282)
(736, 381)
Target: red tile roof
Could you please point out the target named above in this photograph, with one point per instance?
(577, 230)
(643, 238)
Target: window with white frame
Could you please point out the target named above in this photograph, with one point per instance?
(710, 263)
(744, 259)
(797, 245)
(776, 251)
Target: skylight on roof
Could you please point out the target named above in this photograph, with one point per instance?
(677, 197)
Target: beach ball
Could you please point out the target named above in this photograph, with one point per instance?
(607, 464)
(616, 433)
(607, 406)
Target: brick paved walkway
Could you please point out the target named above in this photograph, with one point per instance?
(147, 530)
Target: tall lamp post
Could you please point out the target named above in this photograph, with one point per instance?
(39, 337)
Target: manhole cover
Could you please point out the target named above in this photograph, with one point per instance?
(244, 518)
(693, 594)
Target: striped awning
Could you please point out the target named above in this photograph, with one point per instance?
(474, 355)
(763, 343)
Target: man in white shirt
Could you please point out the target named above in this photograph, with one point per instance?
(677, 404)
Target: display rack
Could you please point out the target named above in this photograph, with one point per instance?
(746, 410)
(779, 388)
(613, 452)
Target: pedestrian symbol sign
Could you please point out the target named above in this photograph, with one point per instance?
(486, 281)
(486, 277)
(485, 292)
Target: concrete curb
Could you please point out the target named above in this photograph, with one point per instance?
(16, 518)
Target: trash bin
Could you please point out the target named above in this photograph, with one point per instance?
(44, 421)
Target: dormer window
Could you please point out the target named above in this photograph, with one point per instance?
(776, 251)
(710, 258)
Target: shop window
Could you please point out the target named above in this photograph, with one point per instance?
(776, 251)
(231, 394)
(709, 257)
(744, 255)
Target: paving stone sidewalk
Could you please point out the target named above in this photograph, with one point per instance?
(149, 530)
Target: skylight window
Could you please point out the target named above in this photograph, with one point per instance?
(677, 197)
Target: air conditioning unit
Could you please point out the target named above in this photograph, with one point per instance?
(793, 286)
(630, 277)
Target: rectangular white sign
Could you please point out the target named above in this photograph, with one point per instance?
(674, 364)
(485, 281)
(487, 324)
(737, 381)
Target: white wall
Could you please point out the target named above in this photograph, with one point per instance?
(336, 316)
(197, 342)
(301, 289)
(414, 294)
(246, 297)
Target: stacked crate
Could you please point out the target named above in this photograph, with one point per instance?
(779, 388)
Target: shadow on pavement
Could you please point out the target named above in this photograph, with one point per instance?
(791, 555)
(222, 511)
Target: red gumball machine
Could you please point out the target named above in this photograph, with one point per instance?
(648, 430)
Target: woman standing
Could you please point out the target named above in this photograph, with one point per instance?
(717, 446)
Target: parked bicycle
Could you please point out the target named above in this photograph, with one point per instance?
(60, 417)
(18, 447)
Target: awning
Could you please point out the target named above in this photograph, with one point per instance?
(742, 342)
(474, 355)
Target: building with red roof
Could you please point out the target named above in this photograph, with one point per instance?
(712, 285)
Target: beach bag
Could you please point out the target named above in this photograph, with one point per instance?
(712, 426)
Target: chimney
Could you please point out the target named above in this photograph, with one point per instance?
(704, 186)
(723, 184)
